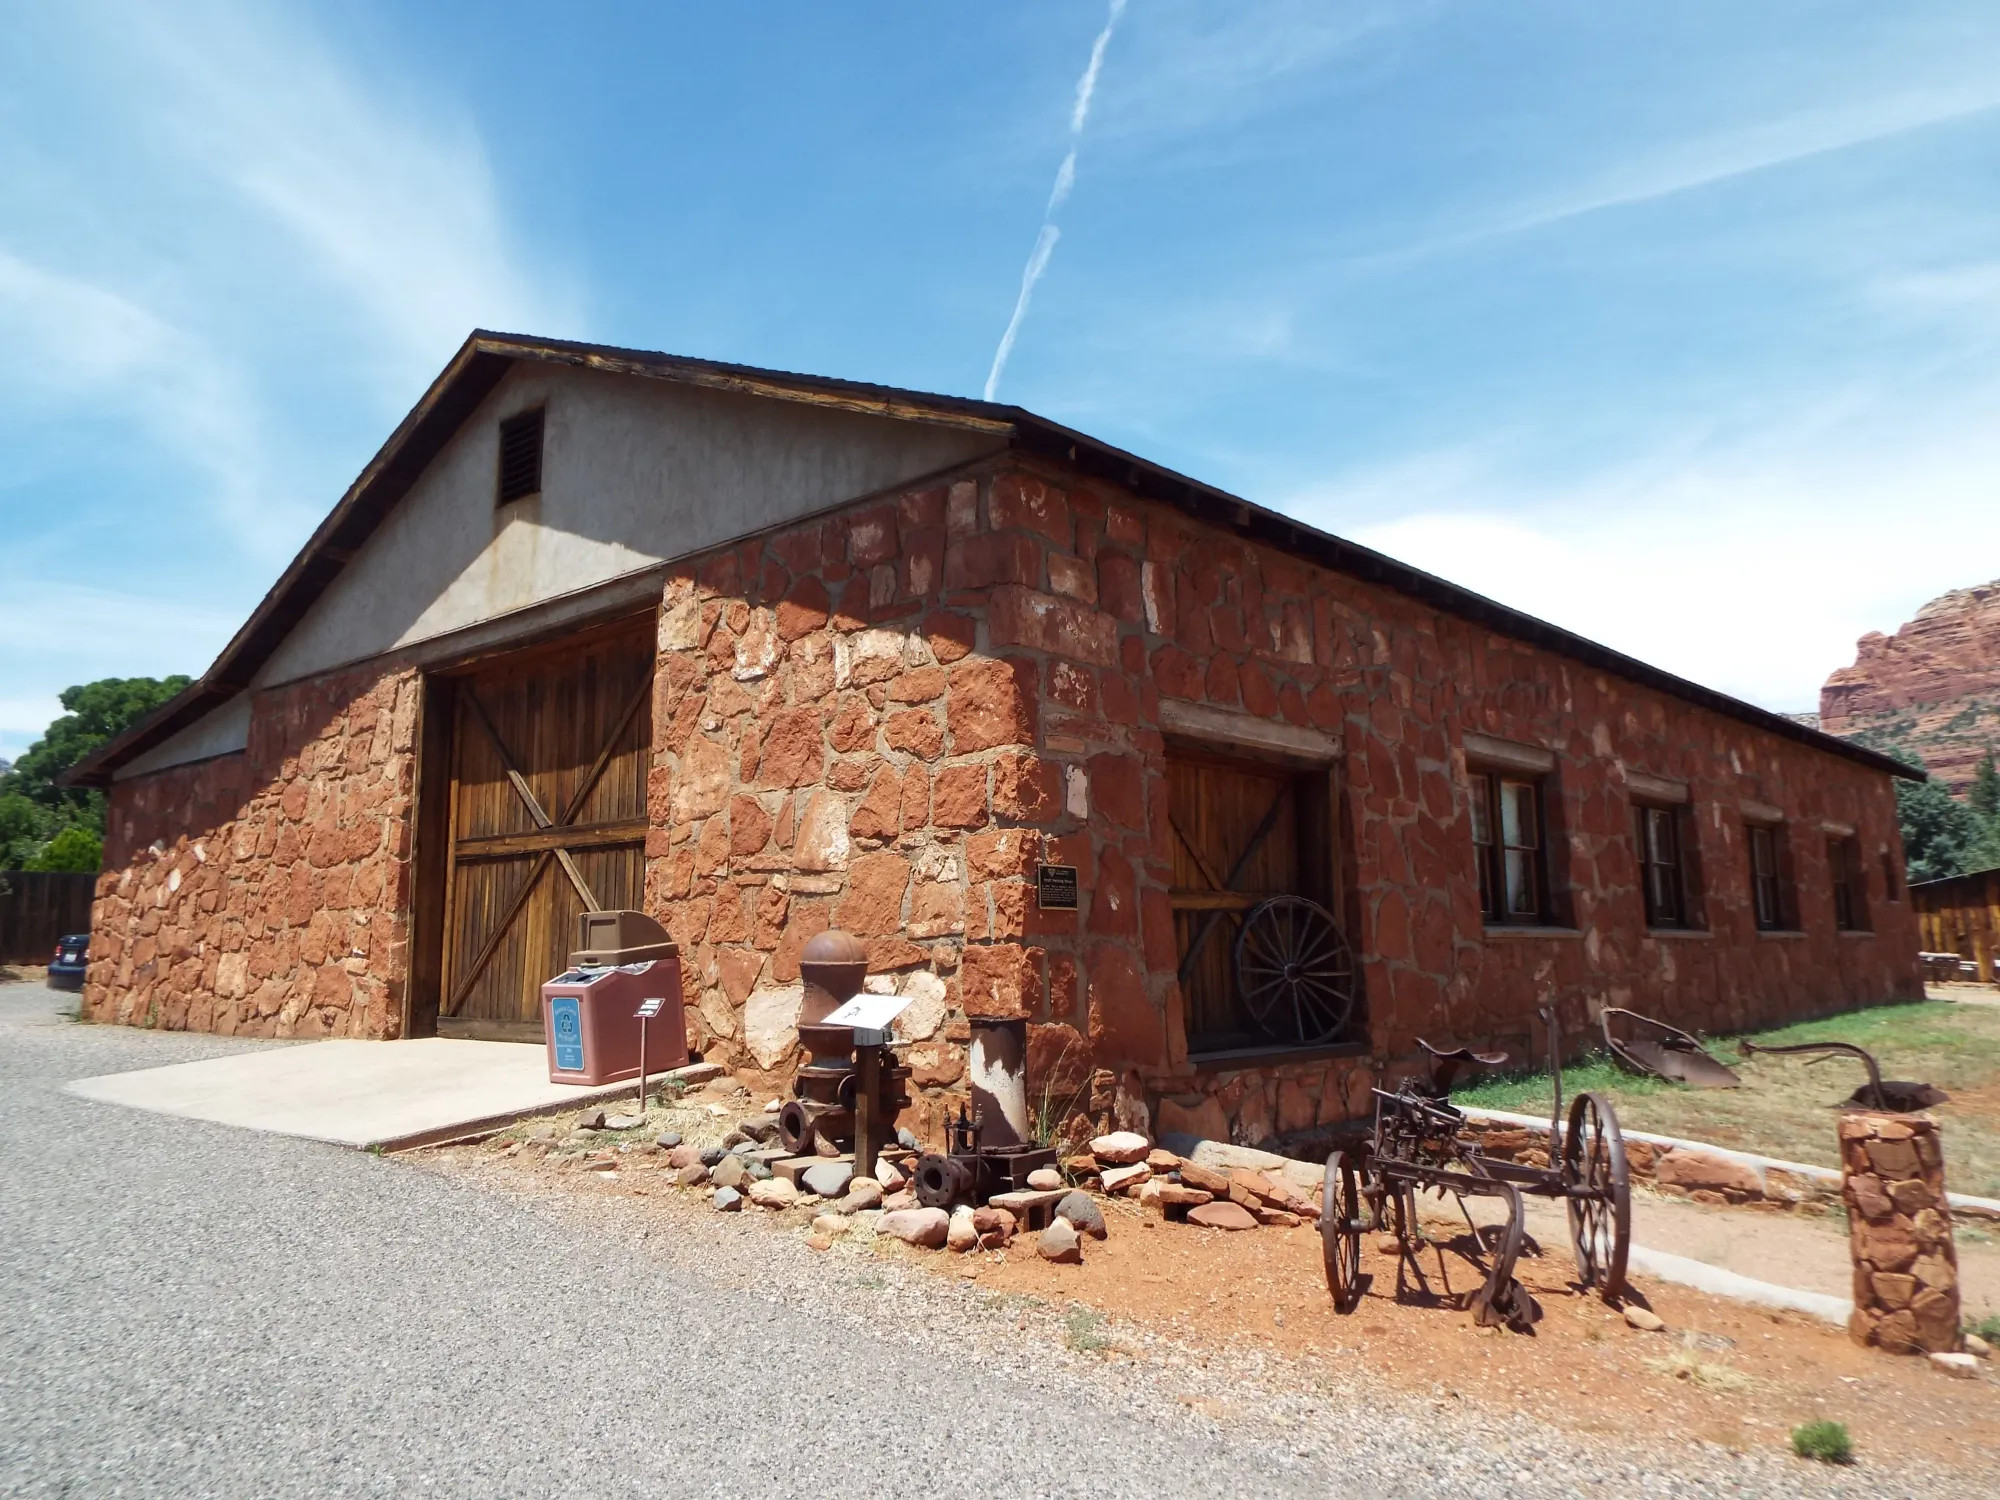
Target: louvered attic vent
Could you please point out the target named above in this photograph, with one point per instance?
(521, 456)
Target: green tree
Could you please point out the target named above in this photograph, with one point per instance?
(1984, 795)
(93, 713)
(76, 849)
(1938, 830)
(35, 811)
(24, 828)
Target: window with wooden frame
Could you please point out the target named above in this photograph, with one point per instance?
(520, 469)
(1768, 896)
(1850, 883)
(1663, 871)
(1510, 844)
(1257, 892)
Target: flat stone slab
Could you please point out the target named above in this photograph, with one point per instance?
(369, 1095)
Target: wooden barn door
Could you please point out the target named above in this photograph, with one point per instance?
(1243, 831)
(547, 819)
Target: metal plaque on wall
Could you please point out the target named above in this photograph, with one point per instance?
(1056, 887)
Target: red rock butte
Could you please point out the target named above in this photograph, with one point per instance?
(1932, 688)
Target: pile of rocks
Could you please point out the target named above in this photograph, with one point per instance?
(1127, 1164)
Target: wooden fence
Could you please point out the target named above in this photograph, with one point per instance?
(36, 908)
(1962, 915)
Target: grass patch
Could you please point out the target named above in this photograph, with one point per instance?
(1823, 1441)
(1084, 1331)
(1786, 1107)
(1987, 1328)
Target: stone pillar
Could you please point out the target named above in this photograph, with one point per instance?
(1899, 1230)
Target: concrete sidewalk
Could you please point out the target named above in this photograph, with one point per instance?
(369, 1095)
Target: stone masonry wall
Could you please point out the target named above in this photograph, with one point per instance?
(883, 720)
(266, 893)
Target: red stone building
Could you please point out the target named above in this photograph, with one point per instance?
(767, 653)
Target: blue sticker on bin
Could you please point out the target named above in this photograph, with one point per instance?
(566, 1022)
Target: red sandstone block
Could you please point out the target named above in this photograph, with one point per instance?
(987, 559)
(880, 813)
(1072, 576)
(1002, 853)
(873, 905)
(1118, 789)
(871, 536)
(1176, 673)
(1023, 501)
(958, 797)
(914, 732)
(949, 635)
(923, 563)
(1026, 787)
(1124, 525)
(916, 798)
(922, 507)
(1114, 897)
(1043, 622)
(853, 726)
(803, 610)
(1124, 1021)
(1017, 913)
(921, 685)
(1000, 979)
(991, 703)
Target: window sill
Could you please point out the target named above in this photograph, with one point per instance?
(1780, 932)
(1506, 930)
(1254, 1057)
(1856, 932)
(1679, 932)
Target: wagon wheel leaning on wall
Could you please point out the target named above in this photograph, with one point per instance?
(1295, 971)
(1597, 1188)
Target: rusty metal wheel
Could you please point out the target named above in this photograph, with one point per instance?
(1597, 1185)
(1340, 1225)
(1294, 971)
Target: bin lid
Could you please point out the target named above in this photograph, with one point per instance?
(609, 938)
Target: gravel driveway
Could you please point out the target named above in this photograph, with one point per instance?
(191, 1310)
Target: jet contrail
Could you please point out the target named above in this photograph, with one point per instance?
(1045, 242)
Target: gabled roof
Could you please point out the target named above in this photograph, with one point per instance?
(486, 357)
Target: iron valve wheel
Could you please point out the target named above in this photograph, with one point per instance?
(1597, 1184)
(1294, 971)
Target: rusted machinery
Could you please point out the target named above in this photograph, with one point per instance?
(826, 1091)
(1419, 1143)
(989, 1150)
(1895, 1095)
(1653, 1047)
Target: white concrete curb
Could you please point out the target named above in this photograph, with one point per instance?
(1720, 1283)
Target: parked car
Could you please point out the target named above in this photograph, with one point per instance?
(66, 968)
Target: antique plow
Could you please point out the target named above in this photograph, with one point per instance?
(1419, 1142)
(1648, 1046)
(1894, 1095)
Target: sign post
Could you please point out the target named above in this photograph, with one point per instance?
(647, 1010)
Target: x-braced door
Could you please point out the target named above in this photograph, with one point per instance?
(548, 819)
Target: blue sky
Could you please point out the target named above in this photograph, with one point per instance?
(1673, 324)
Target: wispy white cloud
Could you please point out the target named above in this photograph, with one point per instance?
(233, 256)
(1045, 239)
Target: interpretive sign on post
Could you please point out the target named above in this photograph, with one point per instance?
(647, 1010)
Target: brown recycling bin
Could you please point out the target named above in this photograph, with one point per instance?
(590, 1011)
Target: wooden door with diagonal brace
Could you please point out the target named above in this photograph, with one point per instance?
(1243, 831)
(549, 752)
